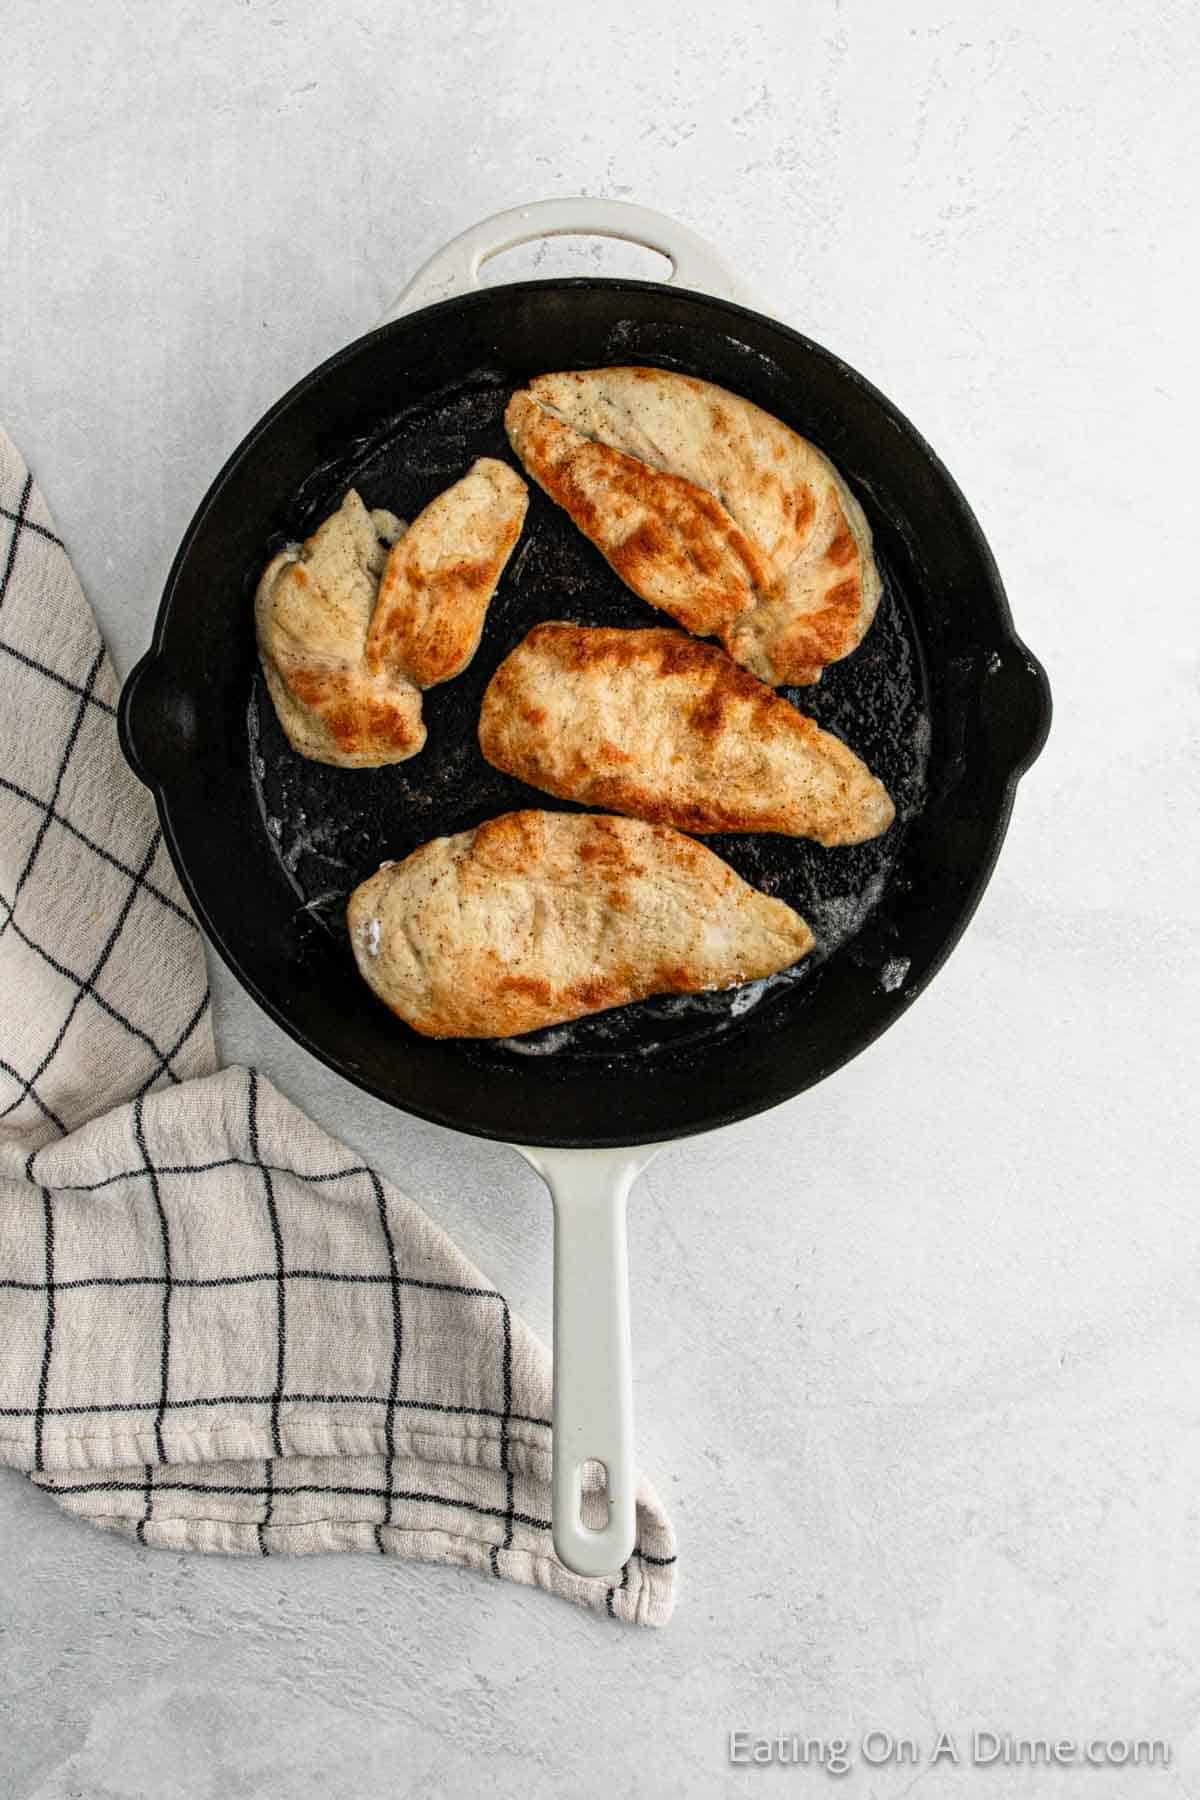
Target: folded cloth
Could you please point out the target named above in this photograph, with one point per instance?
(218, 1329)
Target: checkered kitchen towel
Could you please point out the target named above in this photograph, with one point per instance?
(218, 1330)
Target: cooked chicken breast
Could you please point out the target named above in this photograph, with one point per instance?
(442, 574)
(311, 612)
(353, 623)
(654, 724)
(707, 507)
(537, 917)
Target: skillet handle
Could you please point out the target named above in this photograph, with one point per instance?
(455, 268)
(593, 1373)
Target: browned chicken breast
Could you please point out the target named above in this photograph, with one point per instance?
(441, 575)
(707, 507)
(654, 724)
(353, 623)
(536, 917)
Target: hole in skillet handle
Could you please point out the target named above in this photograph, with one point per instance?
(157, 722)
(571, 254)
(593, 1477)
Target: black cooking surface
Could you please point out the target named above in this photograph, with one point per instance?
(329, 828)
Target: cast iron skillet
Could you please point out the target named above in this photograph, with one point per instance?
(942, 699)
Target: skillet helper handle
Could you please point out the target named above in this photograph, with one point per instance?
(455, 268)
(593, 1371)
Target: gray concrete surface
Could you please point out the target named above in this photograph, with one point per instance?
(919, 1368)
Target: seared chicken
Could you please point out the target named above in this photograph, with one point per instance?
(654, 724)
(537, 917)
(353, 623)
(707, 507)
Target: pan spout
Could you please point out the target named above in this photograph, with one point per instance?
(157, 721)
(1015, 707)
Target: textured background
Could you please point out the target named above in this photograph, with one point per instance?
(919, 1362)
